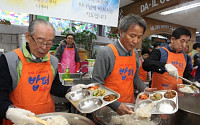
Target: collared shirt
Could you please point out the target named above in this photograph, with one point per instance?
(38, 60)
(33, 56)
(171, 50)
(122, 45)
(127, 53)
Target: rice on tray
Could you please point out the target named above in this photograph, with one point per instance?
(186, 89)
(145, 111)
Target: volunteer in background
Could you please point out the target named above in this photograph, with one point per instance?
(67, 54)
(189, 60)
(195, 50)
(156, 45)
(117, 65)
(144, 75)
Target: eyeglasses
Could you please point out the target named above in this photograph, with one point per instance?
(48, 45)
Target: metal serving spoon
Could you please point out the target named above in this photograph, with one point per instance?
(188, 81)
(191, 83)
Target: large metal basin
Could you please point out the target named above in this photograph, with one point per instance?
(73, 119)
(103, 116)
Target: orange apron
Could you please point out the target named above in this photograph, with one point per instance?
(122, 76)
(142, 72)
(165, 81)
(33, 90)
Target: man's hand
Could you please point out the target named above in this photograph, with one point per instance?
(123, 109)
(150, 89)
(19, 116)
(172, 70)
(79, 87)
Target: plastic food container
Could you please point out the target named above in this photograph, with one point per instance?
(162, 102)
(92, 98)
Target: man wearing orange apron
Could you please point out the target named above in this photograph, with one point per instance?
(124, 68)
(165, 81)
(144, 75)
(142, 72)
(117, 65)
(169, 62)
(39, 81)
(29, 76)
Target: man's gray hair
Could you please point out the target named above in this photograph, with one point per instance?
(130, 19)
(34, 23)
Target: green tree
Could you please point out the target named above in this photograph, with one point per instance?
(147, 43)
(85, 37)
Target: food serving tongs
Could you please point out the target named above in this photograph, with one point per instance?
(191, 83)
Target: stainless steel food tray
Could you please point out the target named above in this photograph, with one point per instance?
(162, 106)
(84, 101)
(194, 93)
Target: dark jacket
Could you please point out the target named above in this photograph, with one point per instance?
(61, 48)
(157, 64)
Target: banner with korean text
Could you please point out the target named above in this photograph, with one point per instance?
(103, 12)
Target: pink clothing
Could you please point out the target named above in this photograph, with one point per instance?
(68, 58)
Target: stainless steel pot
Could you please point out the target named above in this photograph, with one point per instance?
(73, 119)
(103, 116)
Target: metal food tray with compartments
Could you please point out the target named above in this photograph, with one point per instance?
(162, 105)
(188, 90)
(87, 100)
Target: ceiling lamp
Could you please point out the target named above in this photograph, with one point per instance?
(180, 9)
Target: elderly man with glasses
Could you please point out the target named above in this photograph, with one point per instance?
(29, 76)
(68, 55)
